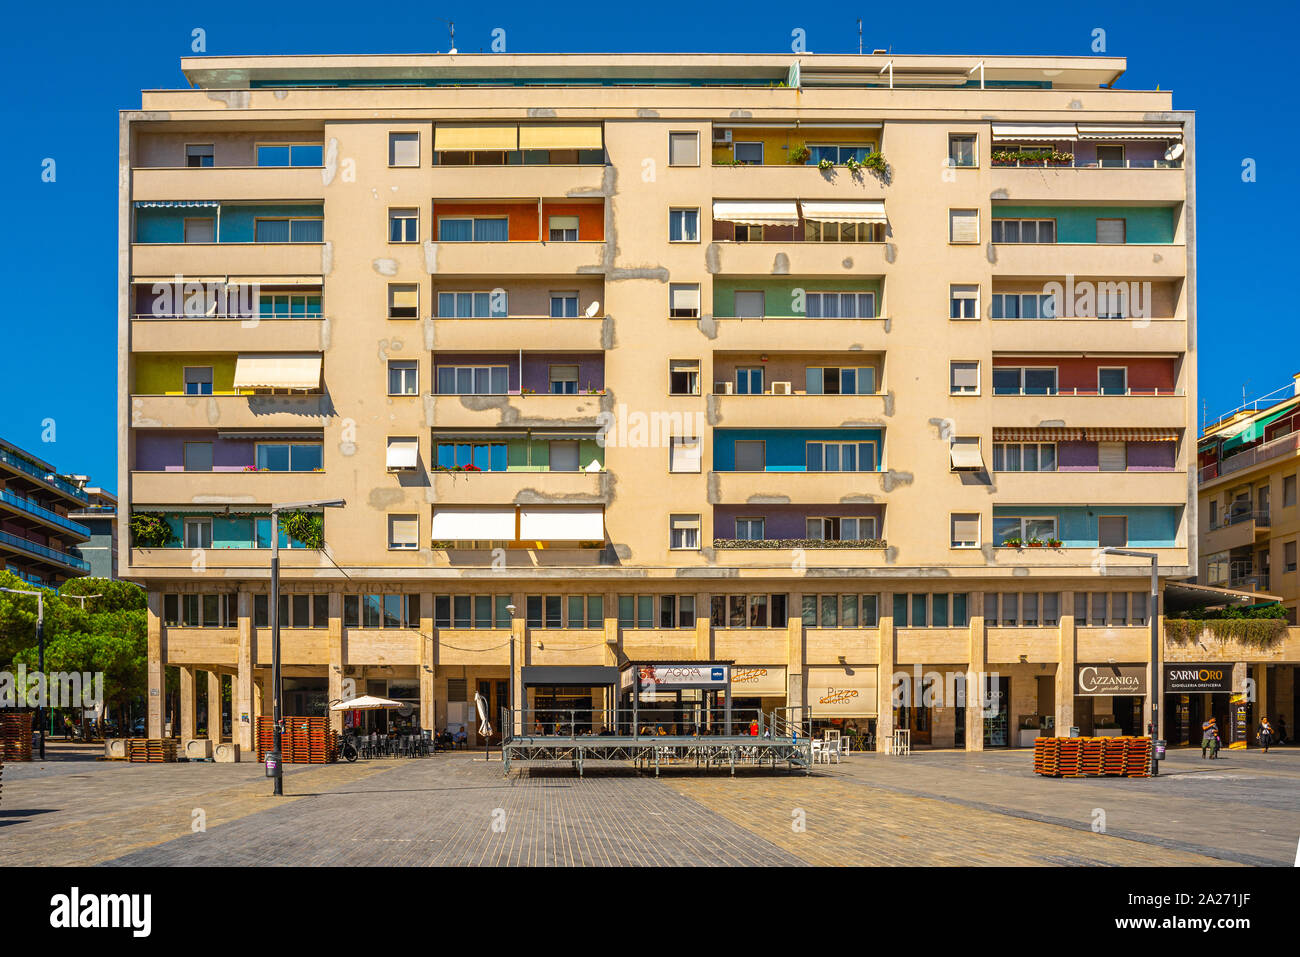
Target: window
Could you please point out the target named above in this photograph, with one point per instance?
(1112, 381)
(964, 377)
(403, 532)
(484, 456)
(562, 229)
(938, 610)
(289, 305)
(684, 453)
(963, 302)
(1112, 456)
(200, 230)
(1024, 457)
(818, 232)
(465, 229)
(199, 155)
(749, 381)
(1289, 556)
(474, 305)
(684, 531)
(683, 149)
(684, 377)
(198, 380)
(840, 456)
(288, 229)
(839, 154)
(387, 611)
(403, 149)
(748, 154)
(751, 455)
(684, 300)
(1126, 608)
(750, 529)
(202, 611)
(840, 305)
(1022, 306)
(198, 456)
(1288, 491)
(965, 530)
(751, 304)
(963, 226)
(290, 154)
(1112, 531)
(1013, 380)
(961, 150)
(560, 611)
(841, 528)
(198, 533)
(638, 611)
(1110, 156)
(563, 380)
(749, 611)
(839, 380)
(1023, 230)
(1025, 529)
(288, 456)
(403, 377)
(747, 233)
(1111, 231)
(473, 380)
(563, 456)
(403, 225)
(564, 305)
(403, 301)
(684, 225)
(1112, 301)
(1022, 609)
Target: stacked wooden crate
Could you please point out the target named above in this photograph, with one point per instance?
(16, 736)
(305, 740)
(151, 750)
(1093, 757)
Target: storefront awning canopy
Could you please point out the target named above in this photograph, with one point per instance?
(1034, 132)
(278, 371)
(1125, 131)
(473, 524)
(562, 524)
(757, 214)
(567, 676)
(865, 212)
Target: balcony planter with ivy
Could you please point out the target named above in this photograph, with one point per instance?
(151, 530)
(306, 528)
(799, 154)
(1013, 543)
(777, 543)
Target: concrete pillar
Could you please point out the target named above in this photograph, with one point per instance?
(188, 725)
(428, 712)
(979, 665)
(337, 659)
(703, 637)
(1067, 644)
(1261, 700)
(523, 654)
(214, 707)
(796, 685)
(157, 686)
(885, 674)
(243, 714)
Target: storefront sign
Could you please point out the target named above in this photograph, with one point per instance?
(758, 681)
(682, 676)
(842, 692)
(1094, 680)
(1193, 679)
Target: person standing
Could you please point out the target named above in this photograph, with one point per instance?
(1265, 733)
(1209, 736)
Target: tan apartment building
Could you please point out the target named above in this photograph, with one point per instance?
(831, 367)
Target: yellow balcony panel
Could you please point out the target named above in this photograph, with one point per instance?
(226, 488)
(514, 411)
(1132, 336)
(1135, 411)
(472, 646)
(229, 259)
(812, 557)
(524, 258)
(1054, 560)
(668, 644)
(493, 182)
(1114, 187)
(520, 488)
(1081, 488)
(151, 334)
(1129, 643)
(244, 182)
(813, 335)
(298, 646)
(559, 335)
(797, 488)
(228, 562)
(927, 646)
(1089, 259)
(798, 411)
(1237, 535)
(1006, 645)
(751, 646)
(826, 646)
(835, 260)
(200, 646)
(383, 646)
(779, 178)
(230, 411)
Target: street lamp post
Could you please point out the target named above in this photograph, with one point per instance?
(40, 660)
(274, 611)
(1152, 615)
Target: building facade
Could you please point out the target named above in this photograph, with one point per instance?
(99, 515)
(41, 532)
(834, 367)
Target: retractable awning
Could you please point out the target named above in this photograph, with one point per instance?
(1034, 132)
(557, 136)
(562, 524)
(280, 371)
(1255, 429)
(757, 214)
(249, 434)
(403, 453)
(1130, 435)
(1038, 435)
(475, 136)
(1126, 131)
(862, 212)
(965, 456)
(176, 204)
(473, 524)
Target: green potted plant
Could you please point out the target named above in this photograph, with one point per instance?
(876, 163)
(1012, 543)
(825, 165)
(1035, 542)
(854, 166)
(799, 154)
(151, 530)
(1054, 543)
(304, 527)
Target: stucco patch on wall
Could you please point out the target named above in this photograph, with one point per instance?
(331, 167)
(385, 267)
(713, 259)
(231, 99)
(892, 479)
(430, 257)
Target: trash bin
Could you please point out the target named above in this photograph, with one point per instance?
(1160, 749)
(1074, 731)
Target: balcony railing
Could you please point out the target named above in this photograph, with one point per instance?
(31, 508)
(1259, 516)
(49, 478)
(1090, 392)
(1244, 460)
(1158, 163)
(52, 554)
(775, 543)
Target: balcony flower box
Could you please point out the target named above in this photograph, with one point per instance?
(778, 543)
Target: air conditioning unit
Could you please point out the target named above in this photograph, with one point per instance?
(226, 753)
(198, 749)
(782, 388)
(723, 388)
(721, 137)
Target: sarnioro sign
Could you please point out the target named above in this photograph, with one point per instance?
(1094, 680)
(1191, 678)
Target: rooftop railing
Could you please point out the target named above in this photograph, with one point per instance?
(53, 554)
(42, 475)
(39, 511)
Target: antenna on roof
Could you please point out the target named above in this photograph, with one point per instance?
(859, 36)
(451, 30)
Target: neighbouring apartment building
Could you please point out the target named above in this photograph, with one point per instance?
(830, 367)
(43, 537)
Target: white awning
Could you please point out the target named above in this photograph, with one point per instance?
(278, 371)
(403, 453)
(757, 214)
(966, 456)
(1034, 132)
(473, 524)
(866, 212)
(1124, 131)
(176, 204)
(562, 524)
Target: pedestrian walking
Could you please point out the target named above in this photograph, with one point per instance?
(1265, 733)
(1209, 737)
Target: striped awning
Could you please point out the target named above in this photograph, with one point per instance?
(1130, 131)
(1130, 435)
(1038, 435)
(175, 203)
(1065, 434)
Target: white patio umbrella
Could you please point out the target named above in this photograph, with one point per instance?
(366, 702)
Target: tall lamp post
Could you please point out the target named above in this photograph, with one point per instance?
(276, 691)
(40, 660)
(1152, 615)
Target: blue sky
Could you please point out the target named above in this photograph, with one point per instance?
(73, 66)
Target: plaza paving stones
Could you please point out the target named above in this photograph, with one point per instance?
(932, 808)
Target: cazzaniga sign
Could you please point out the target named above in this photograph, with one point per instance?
(1094, 680)
(1190, 679)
